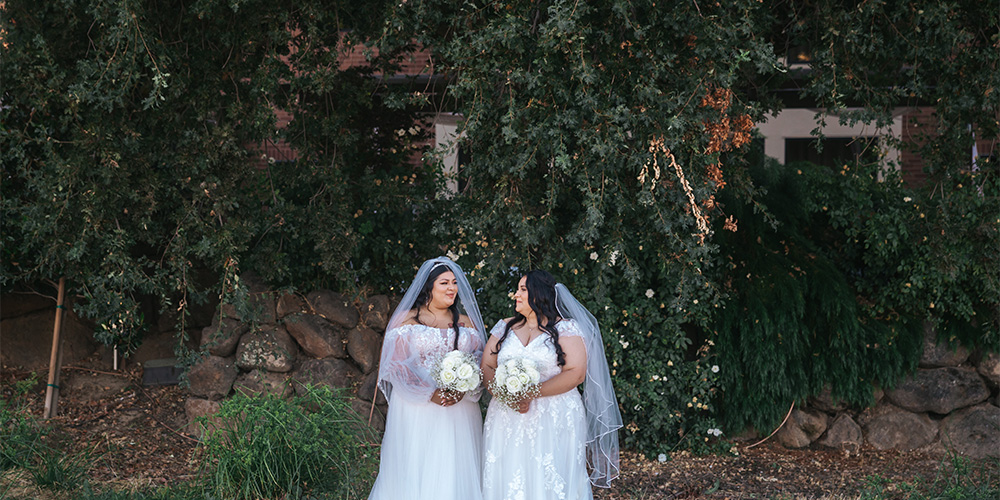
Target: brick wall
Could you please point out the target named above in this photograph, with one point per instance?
(918, 125)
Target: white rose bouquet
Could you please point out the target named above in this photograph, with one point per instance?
(457, 372)
(515, 379)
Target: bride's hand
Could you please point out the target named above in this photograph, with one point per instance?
(445, 397)
(524, 405)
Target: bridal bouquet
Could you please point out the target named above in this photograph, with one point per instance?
(457, 371)
(515, 379)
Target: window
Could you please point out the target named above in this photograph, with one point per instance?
(836, 152)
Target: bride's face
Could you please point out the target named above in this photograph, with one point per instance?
(521, 298)
(444, 291)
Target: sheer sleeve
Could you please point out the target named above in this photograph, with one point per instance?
(498, 329)
(569, 328)
(405, 367)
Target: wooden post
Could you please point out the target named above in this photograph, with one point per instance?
(55, 360)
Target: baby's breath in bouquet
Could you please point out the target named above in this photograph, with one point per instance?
(515, 379)
(457, 372)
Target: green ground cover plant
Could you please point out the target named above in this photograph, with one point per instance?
(270, 447)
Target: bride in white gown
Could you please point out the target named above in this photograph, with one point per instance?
(555, 445)
(432, 446)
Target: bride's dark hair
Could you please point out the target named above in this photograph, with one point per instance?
(542, 299)
(425, 296)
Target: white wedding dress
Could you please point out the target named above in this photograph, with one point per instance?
(539, 455)
(429, 452)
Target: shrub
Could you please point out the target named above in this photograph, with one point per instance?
(833, 282)
(269, 447)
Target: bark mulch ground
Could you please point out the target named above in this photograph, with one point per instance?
(135, 436)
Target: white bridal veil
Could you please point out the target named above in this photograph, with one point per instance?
(603, 417)
(406, 369)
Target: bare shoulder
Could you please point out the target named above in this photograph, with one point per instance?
(410, 318)
(464, 320)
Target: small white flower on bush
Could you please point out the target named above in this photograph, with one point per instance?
(715, 432)
(907, 199)
(715, 368)
(650, 293)
(614, 257)
(593, 255)
(662, 457)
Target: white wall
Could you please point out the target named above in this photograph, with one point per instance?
(798, 123)
(445, 142)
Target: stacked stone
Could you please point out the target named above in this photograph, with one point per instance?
(291, 340)
(950, 403)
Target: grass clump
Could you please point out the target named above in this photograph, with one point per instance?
(959, 478)
(271, 447)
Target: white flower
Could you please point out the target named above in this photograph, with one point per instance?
(662, 457)
(451, 255)
(449, 363)
(718, 432)
(650, 293)
(533, 374)
(447, 376)
(593, 255)
(513, 384)
(614, 257)
(464, 372)
(715, 368)
(907, 199)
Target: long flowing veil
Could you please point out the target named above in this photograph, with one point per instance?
(466, 305)
(603, 417)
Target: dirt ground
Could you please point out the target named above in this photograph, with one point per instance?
(136, 435)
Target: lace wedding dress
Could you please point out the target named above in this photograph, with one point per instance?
(429, 452)
(539, 455)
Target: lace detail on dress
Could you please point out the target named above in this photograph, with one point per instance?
(415, 349)
(550, 436)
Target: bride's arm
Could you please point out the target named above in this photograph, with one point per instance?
(573, 372)
(489, 363)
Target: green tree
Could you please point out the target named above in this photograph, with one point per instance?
(129, 159)
(608, 143)
(601, 138)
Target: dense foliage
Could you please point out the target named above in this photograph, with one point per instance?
(607, 144)
(606, 141)
(132, 142)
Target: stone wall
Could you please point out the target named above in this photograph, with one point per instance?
(950, 403)
(320, 338)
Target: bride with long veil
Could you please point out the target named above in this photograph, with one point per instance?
(432, 446)
(552, 444)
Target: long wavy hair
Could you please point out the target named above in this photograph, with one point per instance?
(542, 299)
(424, 297)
